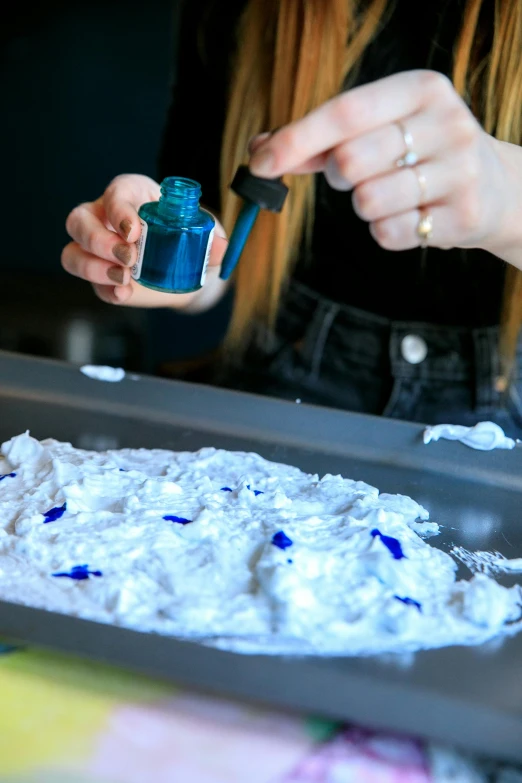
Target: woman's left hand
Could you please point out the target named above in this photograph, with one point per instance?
(421, 168)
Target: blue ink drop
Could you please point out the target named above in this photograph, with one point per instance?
(79, 573)
(409, 602)
(390, 543)
(55, 513)
(255, 491)
(5, 649)
(179, 520)
(7, 475)
(225, 489)
(289, 561)
(281, 540)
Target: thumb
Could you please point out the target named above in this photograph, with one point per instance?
(218, 250)
(219, 244)
(122, 199)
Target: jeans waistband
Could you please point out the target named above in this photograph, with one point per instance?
(327, 332)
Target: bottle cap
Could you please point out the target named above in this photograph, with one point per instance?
(266, 193)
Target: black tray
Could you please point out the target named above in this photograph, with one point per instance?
(469, 697)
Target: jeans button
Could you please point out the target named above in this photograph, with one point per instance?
(414, 349)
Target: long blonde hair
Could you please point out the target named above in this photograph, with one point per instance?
(296, 54)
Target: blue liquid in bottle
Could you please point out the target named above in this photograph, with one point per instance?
(176, 238)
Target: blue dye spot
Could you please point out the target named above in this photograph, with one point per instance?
(225, 489)
(5, 649)
(55, 513)
(281, 540)
(7, 475)
(409, 602)
(390, 543)
(79, 572)
(179, 520)
(123, 470)
(289, 561)
(255, 491)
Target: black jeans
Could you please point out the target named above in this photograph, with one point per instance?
(329, 354)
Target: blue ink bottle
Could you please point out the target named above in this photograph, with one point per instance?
(176, 238)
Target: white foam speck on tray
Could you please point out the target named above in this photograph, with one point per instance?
(484, 436)
(99, 372)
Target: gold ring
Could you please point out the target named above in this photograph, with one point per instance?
(425, 229)
(423, 185)
(410, 157)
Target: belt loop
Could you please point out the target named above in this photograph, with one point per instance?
(318, 335)
(487, 367)
(495, 366)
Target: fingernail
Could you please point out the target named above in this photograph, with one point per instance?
(123, 253)
(334, 177)
(262, 163)
(116, 274)
(122, 294)
(125, 227)
(255, 141)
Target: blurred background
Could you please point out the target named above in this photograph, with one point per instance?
(85, 89)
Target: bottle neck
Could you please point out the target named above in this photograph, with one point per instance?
(179, 200)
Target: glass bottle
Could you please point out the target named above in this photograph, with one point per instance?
(176, 238)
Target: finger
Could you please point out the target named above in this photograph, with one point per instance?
(123, 198)
(107, 293)
(79, 263)
(85, 226)
(399, 232)
(312, 166)
(217, 251)
(380, 150)
(134, 295)
(256, 142)
(406, 189)
(309, 167)
(349, 115)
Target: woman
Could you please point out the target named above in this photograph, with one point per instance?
(416, 317)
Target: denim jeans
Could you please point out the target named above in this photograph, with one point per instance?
(329, 354)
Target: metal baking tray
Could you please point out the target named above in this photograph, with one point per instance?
(469, 697)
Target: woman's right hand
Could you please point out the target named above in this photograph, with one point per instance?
(103, 250)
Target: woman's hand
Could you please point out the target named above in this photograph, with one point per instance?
(103, 250)
(421, 168)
